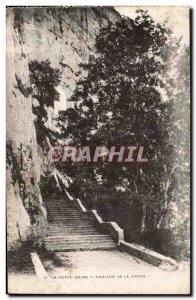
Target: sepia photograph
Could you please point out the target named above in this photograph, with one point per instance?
(98, 139)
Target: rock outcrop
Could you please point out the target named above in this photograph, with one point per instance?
(65, 36)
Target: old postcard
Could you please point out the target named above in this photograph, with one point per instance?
(98, 150)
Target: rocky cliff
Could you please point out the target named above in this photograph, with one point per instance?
(65, 36)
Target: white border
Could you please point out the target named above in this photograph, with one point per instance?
(97, 2)
(4, 3)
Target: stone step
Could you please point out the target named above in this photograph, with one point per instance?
(68, 231)
(65, 223)
(77, 237)
(76, 232)
(83, 247)
(72, 230)
(66, 209)
(70, 219)
(72, 227)
(78, 242)
(66, 220)
(56, 201)
(84, 221)
(59, 205)
(62, 208)
(66, 217)
(71, 233)
(80, 245)
(64, 213)
(52, 207)
(68, 224)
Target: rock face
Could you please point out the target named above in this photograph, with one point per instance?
(64, 36)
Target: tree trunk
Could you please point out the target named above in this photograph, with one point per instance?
(143, 222)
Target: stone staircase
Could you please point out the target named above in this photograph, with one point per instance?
(68, 231)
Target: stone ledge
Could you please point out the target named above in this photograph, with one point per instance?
(38, 266)
(147, 255)
(111, 227)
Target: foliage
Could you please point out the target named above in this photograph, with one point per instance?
(122, 102)
(44, 80)
(176, 226)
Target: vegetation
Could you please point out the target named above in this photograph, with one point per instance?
(129, 98)
(44, 80)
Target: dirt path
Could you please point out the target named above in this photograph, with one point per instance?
(112, 272)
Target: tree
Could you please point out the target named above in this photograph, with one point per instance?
(120, 102)
(43, 79)
(175, 221)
